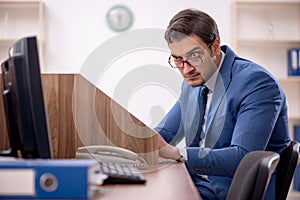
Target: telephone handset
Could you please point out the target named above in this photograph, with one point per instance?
(111, 154)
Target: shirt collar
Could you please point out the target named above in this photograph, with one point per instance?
(211, 82)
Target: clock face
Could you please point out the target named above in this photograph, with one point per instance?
(119, 18)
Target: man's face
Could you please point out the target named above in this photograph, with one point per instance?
(192, 48)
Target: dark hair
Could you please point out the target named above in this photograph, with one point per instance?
(190, 21)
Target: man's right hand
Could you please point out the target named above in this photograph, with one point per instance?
(168, 151)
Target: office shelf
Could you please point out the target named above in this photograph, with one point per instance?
(263, 31)
(20, 18)
(268, 41)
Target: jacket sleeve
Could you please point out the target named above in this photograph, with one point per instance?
(170, 127)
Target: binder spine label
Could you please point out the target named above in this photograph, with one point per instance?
(17, 182)
(294, 62)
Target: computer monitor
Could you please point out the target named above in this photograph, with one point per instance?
(24, 102)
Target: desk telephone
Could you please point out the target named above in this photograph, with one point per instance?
(111, 154)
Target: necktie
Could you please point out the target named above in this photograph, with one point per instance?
(202, 100)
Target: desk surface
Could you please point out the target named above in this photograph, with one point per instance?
(170, 182)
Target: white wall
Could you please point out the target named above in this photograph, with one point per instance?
(75, 28)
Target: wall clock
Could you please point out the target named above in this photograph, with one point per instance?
(119, 18)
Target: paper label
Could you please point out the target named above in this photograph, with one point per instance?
(17, 182)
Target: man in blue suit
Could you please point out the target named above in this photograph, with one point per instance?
(246, 107)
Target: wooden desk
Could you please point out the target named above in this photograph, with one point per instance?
(170, 182)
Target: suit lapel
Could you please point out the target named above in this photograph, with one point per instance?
(217, 110)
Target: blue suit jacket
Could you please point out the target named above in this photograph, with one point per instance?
(248, 112)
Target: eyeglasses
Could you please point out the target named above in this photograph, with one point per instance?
(195, 59)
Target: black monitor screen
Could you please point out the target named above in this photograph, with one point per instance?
(24, 102)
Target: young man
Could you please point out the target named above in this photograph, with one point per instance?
(245, 107)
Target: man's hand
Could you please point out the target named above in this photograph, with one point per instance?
(168, 151)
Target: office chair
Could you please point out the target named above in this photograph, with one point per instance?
(252, 176)
(286, 169)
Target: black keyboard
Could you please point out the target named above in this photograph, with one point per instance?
(121, 174)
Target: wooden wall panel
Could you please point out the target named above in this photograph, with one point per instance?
(4, 143)
(113, 124)
(51, 93)
(81, 114)
(58, 99)
(89, 130)
(67, 140)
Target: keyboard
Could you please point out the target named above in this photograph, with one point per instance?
(121, 174)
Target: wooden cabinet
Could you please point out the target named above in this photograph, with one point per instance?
(263, 31)
(20, 18)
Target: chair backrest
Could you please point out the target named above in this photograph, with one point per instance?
(286, 169)
(252, 176)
